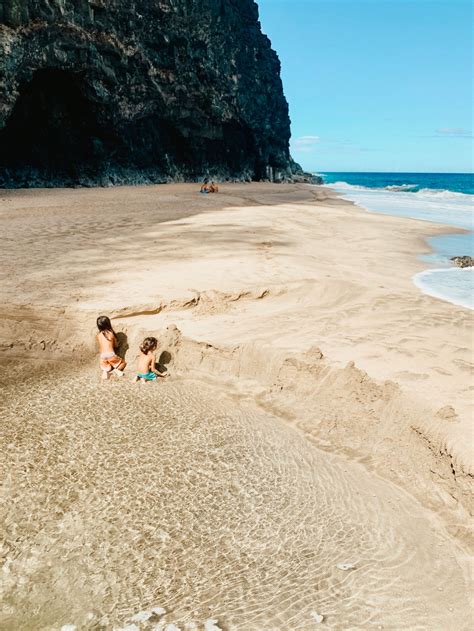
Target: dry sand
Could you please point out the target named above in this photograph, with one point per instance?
(312, 385)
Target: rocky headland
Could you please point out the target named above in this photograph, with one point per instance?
(103, 92)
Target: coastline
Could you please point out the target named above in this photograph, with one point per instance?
(419, 281)
(440, 206)
(286, 297)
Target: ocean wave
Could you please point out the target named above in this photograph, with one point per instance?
(401, 187)
(357, 187)
(444, 193)
(349, 187)
(433, 193)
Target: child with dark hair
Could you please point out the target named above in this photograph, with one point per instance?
(146, 366)
(107, 341)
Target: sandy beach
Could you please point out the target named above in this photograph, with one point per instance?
(318, 412)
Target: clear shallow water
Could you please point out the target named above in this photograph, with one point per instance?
(439, 198)
(444, 245)
(454, 284)
(120, 497)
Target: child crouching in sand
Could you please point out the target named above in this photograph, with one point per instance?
(146, 370)
(107, 341)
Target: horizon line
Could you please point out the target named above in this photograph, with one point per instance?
(403, 172)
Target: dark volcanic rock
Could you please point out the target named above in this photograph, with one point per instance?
(111, 91)
(306, 178)
(463, 261)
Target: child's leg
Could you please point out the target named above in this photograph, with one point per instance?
(105, 368)
(120, 367)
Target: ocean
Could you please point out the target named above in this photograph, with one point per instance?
(446, 198)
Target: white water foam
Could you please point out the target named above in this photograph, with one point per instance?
(453, 284)
(401, 187)
(438, 206)
(445, 194)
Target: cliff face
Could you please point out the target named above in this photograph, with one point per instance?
(111, 91)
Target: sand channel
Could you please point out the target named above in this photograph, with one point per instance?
(122, 497)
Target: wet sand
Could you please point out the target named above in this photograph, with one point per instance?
(125, 497)
(233, 490)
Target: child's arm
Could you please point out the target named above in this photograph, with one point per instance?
(153, 368)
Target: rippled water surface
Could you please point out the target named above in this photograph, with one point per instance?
(120, 497)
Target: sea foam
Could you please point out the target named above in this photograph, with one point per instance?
(453, 284)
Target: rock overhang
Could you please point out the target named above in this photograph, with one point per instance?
(176, 89)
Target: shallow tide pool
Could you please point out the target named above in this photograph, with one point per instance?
(121, 497)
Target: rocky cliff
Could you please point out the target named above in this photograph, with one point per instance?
(115, 91)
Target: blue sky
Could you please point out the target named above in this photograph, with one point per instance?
(376, 85)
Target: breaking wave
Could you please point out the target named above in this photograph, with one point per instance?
(401, 187)
(445, 193)
(405, 188)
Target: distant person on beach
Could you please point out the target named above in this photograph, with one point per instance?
(146, 365)
(107, 341)
(209, 188)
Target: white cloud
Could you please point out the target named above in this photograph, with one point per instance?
(305, 144)
(454, 132)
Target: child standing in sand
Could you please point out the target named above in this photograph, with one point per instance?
(146, 365)
(107, 341)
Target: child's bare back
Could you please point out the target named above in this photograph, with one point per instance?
(107, 341)
(146, 364)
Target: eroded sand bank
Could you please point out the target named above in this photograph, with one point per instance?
(264, 294)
